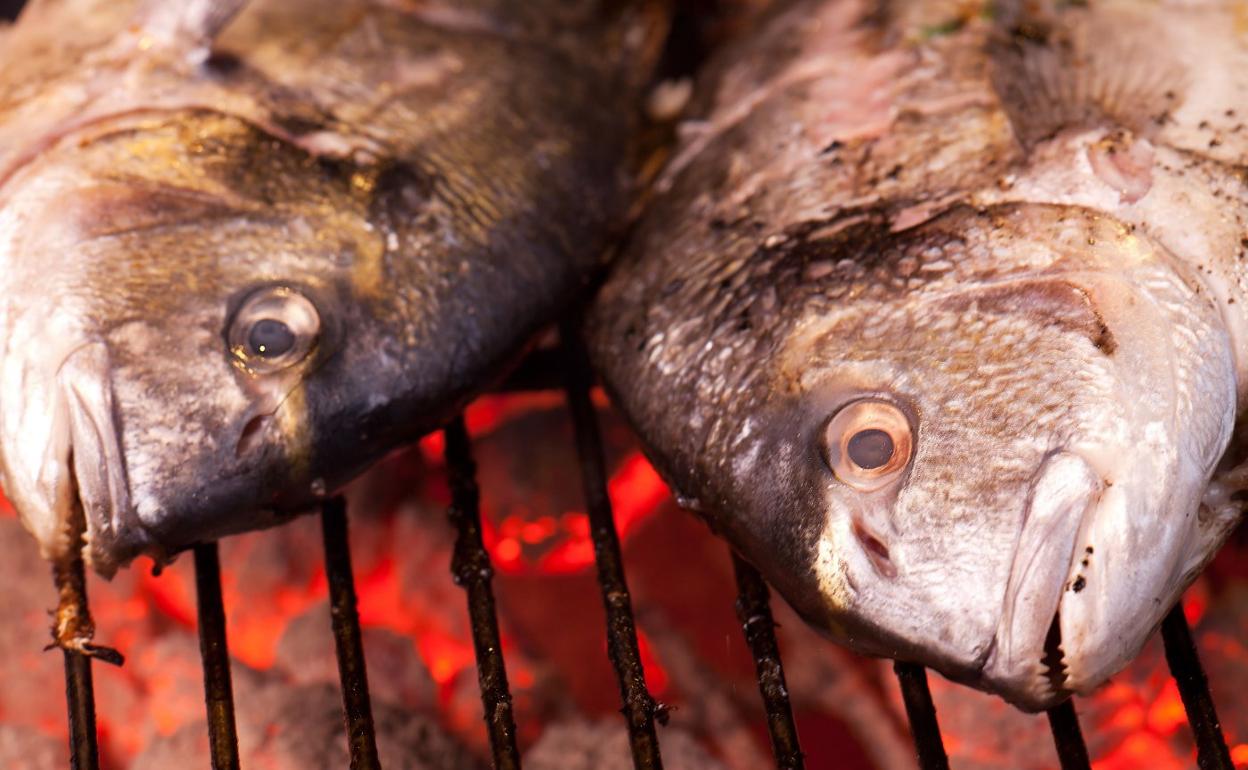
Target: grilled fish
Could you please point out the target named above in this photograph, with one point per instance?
(938, 314)
(247, 248)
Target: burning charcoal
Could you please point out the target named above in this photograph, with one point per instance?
(306, 732)
(185, 748)
(300, 727)
(580, 745)
(374, 500)
(23, 748)
(306, 655)
(423, 538)
(173, 683)
(269, 578)
(30, 694)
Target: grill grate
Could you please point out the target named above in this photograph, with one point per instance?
(922, 714)
(1189, 675)
(71, 589)
(215, 653)
(1071, 751)
(348, 641)
(640, 708)
(472, 570)
(754, 612)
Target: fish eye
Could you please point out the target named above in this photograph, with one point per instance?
(868, 443)
(270, 338)
(275, 328)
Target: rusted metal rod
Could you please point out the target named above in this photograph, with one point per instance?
(922, 714)
(754, 612)
(1071, 751)
(1185, 667)
(640, 709)
(472, 571)
(348, 639)
(215, 654)
(71, 585)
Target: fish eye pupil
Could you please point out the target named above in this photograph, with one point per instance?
(870, 449)
(270, 338)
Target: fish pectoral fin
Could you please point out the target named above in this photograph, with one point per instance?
(1075, 68)
(185, 27)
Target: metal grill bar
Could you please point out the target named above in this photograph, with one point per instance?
(1185, 667)
(922, 714)
(1071, 751)
(640, 709)
(80, 696)
(215, 654)
(348, 639)
(472, 571)
(754, 612)
(71, 586)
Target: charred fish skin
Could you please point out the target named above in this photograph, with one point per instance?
(248, 248)
(937, 314)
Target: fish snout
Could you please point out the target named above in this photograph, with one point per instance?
(1029, 662)
(61, 451)
(1132, 562)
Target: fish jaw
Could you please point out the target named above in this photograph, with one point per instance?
(1137, 553)
(1026, 664)
(1109, 544)
(98, 462)
(80, 470)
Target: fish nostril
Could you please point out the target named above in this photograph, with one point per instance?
(250, 436)
(876, 550)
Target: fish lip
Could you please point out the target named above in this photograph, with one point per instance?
(98, 464)
(1025, 663)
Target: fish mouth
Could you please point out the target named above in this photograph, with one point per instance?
(63, 463)
(1028, 664)
(1054, 660)
(99, 466)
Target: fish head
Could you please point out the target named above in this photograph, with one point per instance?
(990, 440)
(215, 336)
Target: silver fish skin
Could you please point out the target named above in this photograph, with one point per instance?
(938, 315)
(248, 248)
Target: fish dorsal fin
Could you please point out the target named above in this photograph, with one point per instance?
(1062, 66)
(185, 27)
